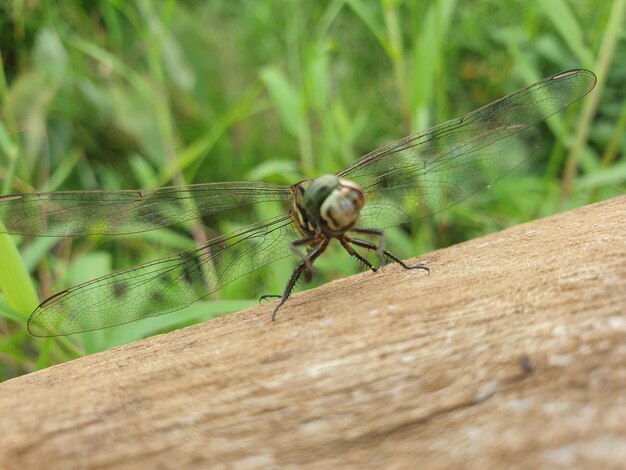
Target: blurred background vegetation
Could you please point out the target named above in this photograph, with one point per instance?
(115, 94)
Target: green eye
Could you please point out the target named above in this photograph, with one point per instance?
(318, 191)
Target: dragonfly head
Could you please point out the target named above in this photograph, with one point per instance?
(334, 203)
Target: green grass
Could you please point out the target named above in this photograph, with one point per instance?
(114, 94)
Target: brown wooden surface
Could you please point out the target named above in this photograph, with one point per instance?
(512, 352)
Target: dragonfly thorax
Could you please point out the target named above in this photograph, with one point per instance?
(328, 204)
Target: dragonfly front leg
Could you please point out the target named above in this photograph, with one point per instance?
(304, 265)
(307, 242)
(380, 248)
(352, 252)
(372, 246)
(303, 256)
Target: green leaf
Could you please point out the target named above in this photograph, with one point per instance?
(285, 97)
(559, 12)
(49, 55)
(15, 281)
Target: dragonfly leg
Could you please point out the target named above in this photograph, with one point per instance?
(308, 272)
(306, 242)
(302, 267)
(380, 247)
(346, 245)
(372, 246)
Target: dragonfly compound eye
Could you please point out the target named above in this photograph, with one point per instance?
(341, 208)
(317, 192)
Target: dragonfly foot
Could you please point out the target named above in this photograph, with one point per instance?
(269, 296)
(280, 304)
(420, 265)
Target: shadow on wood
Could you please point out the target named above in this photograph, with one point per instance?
(512, 351)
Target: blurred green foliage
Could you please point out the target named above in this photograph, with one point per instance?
(113, 94)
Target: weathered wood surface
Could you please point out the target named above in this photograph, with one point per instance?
(511, 353)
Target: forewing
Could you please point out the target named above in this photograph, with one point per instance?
(164, 285)
(76, 213)
(429, 172)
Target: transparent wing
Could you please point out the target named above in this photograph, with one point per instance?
(116, 212)
(428, 172)
(164, 285)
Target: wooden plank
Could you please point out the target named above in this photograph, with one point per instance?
(512, 352)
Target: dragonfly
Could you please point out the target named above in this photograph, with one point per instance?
(409, 179)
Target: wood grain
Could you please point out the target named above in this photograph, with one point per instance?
(511, 353)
